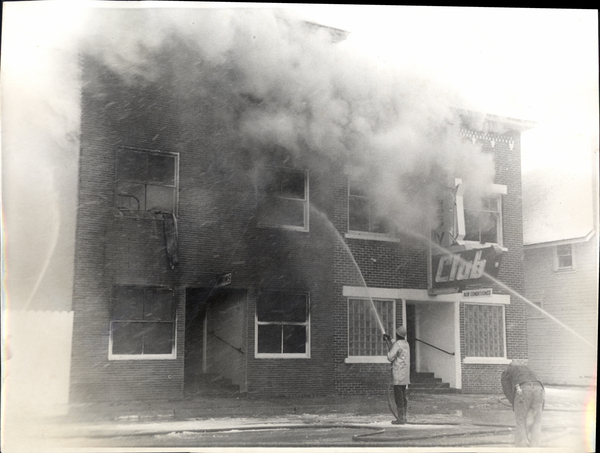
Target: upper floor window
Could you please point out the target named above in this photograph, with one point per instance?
(361, 212)
(282, 325)
(484, 223)
(146, 181)
(142, 324)
(563, 257)
(282, 199)
(479, 219)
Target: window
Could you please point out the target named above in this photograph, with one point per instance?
(146, 181)
(484, 223)
(282, 199)
(364, 333)
(361, 213)
(563, 257)
(142, 324)
(282, 322)
(484, 330)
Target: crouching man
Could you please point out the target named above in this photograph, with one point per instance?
(399, 355)
(525, 392)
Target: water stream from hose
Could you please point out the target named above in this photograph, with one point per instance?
(339, 237)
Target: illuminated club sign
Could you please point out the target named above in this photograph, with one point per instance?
(456, 270)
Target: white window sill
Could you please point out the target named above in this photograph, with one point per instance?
(281, 356)
(487, 360)
(365, 235)
(283, 227)
(366, 359)
(143, 357)
(566, 270)
(479, 245)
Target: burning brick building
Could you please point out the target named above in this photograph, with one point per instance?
(244, 212)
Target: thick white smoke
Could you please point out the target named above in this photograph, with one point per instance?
(297, 88)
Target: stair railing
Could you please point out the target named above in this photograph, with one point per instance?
(227, 343)
(435, 347)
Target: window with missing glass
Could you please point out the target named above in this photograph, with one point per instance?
(365, 338)
(282, 199)
(483, 222)
(361, 212)
(484, 331)
(146, 181)
(142, 323)
(563, 257)
(282, 325)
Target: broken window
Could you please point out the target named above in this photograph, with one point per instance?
(365, 337)
(282, 199)
(361, 212)
(484, 330)
(146, 181)
(142, 323)
(483, 223)
(282, 324)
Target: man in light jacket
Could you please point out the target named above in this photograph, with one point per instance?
(525, 392)
(399, 355)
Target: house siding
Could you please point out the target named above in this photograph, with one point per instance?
(571, 296)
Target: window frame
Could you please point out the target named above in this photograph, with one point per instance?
(174, 187)
(557, 266)
(460, 219)
(305, 201)
(368, 358)
(170, 356)
(362, 234)
(485, 359)
(282, 355)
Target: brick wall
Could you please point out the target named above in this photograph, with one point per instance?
(217, 234)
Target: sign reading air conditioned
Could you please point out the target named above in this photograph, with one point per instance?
(463, 268)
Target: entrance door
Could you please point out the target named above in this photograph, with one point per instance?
(411, 325)
(215, 336)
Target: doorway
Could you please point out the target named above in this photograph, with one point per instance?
(215, 336)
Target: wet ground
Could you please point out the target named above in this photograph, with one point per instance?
(435, 421)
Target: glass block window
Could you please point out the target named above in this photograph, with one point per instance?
(146, 181)
(365, 337)
(484, 330)
(361, 214)
(282, 199)
(563, 257)
(282, 322)
(142, 322)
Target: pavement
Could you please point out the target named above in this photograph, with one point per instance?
(435, 421)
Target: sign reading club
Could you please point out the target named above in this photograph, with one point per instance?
(465, 267)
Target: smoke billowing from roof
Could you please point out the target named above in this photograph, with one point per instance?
(292, 85)
(295, 87)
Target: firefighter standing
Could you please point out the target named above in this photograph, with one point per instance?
(399, 355)
(525, 392)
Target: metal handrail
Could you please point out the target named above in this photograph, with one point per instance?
(228, 344)
(435, 347)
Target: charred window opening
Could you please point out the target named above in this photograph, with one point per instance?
(146, 181)
(361, 211)
(484, 330)
(142, 323)
(364, 335)
(484, 223)
(282, 321)
(282, 199)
